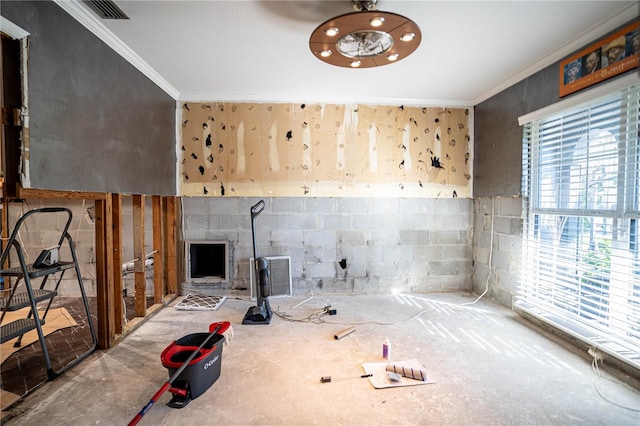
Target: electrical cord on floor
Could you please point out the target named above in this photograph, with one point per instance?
(597, 356)
(317, 317)
(314, 318)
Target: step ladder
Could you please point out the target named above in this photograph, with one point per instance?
(23, 294)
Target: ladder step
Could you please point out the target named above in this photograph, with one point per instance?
(16, 328)
(37, 272)
(21, 299)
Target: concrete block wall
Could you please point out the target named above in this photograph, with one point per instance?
(41, 232)
(497, 239)
(385, 244)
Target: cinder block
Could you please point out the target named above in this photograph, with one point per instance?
(421, 222)
(385, 238)
(267, 222)
(458, 282)
(320, 269)
(456, 252)
(414, 237)
(414, 205)
(398, 253)
(515, 266)
(194, 204)
(509, 206)
(320, 206)
(329, 254)
(418, 268)
(481, 255)
(509, 244)
(428, 252)
(352, 205)
(234, 206)
(367, 222)
(234, 222)
(336, 221)
(365, 285)
(445, 237)
(351, 238)
(291, 238)
(196, 222)
(299, 221)
(444, 267)
(502, 225)
(355, 269)
(368, 253)
(504, 297)
(394, 221)
(287, 205)
(385, 206)
(385, 268)
(320, 238)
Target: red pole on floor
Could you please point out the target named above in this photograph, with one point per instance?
(173, 377)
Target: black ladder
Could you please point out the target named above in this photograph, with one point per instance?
(31, 297)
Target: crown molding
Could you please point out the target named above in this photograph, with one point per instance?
(296, 99)
(91, 22)
(582, 41)
(11, 29)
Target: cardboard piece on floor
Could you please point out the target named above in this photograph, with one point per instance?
(7, 399)
(380, 378)
(56, 319)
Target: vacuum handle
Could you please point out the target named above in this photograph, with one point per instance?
(257, 209)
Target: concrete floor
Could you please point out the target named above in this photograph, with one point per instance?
(489, 368)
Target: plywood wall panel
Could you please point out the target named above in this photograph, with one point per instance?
(271, 149)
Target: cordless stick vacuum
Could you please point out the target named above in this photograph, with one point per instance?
(261, 313)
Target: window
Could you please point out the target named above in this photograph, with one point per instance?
(581, 192)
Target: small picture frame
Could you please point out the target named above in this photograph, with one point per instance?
(608, 57)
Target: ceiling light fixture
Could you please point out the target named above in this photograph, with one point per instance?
(365, 38)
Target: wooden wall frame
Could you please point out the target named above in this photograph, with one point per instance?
(108, 246)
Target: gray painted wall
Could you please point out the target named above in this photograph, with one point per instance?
(497, 181)
(497, 178)
(388, 244)
(497, 167)
(96, 122)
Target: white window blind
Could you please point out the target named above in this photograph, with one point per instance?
(581, 254)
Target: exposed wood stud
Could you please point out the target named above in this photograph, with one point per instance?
(116, 267)
(158, 269)
(139, 254)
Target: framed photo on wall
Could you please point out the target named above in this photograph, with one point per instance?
(608, 57)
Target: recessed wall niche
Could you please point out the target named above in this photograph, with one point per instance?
(207, 261)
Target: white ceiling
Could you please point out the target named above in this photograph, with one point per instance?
(258, 50)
